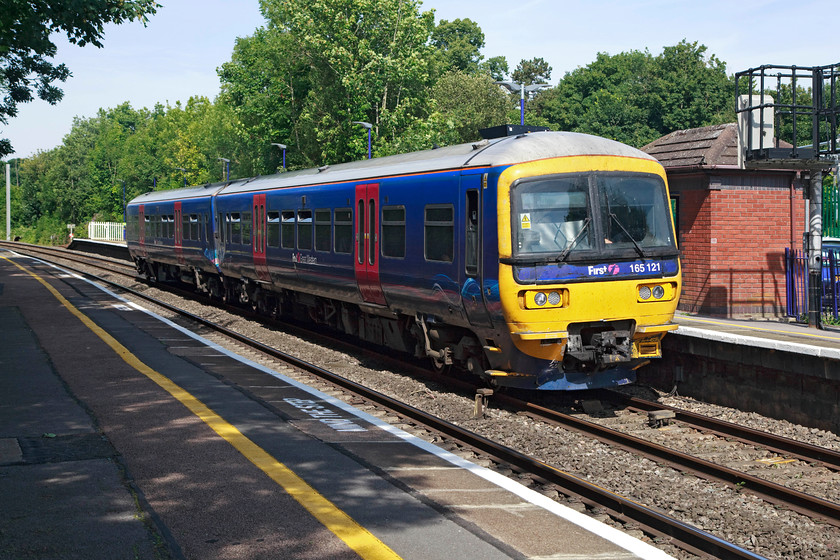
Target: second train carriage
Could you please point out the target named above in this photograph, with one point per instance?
(543, 261)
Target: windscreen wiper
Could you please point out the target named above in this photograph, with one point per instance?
(630, 237)
(574, 241)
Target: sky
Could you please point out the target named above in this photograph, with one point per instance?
(176, 55)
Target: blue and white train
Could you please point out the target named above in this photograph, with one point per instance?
(539, 261)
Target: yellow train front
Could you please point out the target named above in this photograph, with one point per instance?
(589, 271)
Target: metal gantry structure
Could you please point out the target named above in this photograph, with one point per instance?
(800, 104)
(788, 118)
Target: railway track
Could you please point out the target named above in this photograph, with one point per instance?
(652, 521)
(778, 444)
(801, 502)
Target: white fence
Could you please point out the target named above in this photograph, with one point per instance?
(106, 231)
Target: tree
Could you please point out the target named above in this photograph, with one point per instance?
(694, 89)
(265, 84)
(497, 67)
(365, 60)
(25, 45)
(635, 98)
(534, 71)
(457, 45)
(470, 102)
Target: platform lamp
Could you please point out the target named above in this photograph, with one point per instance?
(184, 171)
(522, 89)
(227, 168)
(282, 147)
(368, 126)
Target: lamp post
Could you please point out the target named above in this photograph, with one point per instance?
(227, 168)
(184, 171)
(368, 126)
(522, 89)
(282, 147)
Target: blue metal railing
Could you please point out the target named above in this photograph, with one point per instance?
(796, 272)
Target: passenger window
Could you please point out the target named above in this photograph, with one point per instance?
(393, 231)
(195, 228)
(439, 233)
(305, 229)
(343, 230)
(322, 230)
(287, 229)
(246, 228)
(235, 229)
(273, 229)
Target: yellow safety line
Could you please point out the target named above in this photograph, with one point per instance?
(357, 537)
(740, 326)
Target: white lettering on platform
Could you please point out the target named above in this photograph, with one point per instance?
(326, 415)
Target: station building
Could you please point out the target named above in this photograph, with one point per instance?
(733, 224)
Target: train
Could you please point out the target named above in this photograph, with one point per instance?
(544, 261)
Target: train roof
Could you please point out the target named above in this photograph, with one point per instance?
(487, 153)
(200, 191)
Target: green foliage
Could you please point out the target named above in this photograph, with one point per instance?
(470, 102)
(47, 230)
(497, 67)
(26, 47)
(264, 86)
(125, 148)
(457, 45)
(363, 60)
(635, 98)
(534, 71)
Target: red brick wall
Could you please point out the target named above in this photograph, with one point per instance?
(733, 239)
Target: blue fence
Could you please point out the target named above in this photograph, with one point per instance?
(796, 269)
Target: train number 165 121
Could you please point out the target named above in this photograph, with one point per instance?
(640, 268)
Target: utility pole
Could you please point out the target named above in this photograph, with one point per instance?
(8, 203)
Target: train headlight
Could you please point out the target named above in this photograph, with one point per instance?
(652, 293)
(549, 299)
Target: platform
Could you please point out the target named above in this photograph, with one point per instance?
(122, 436)
(772, 335)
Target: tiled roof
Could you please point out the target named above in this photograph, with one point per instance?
(697, 147)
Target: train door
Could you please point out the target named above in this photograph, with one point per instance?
(258, 238)
(366, 263)
(179, 233)
(141, 228)
(473, 294)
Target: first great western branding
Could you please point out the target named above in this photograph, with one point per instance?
(564, 272)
